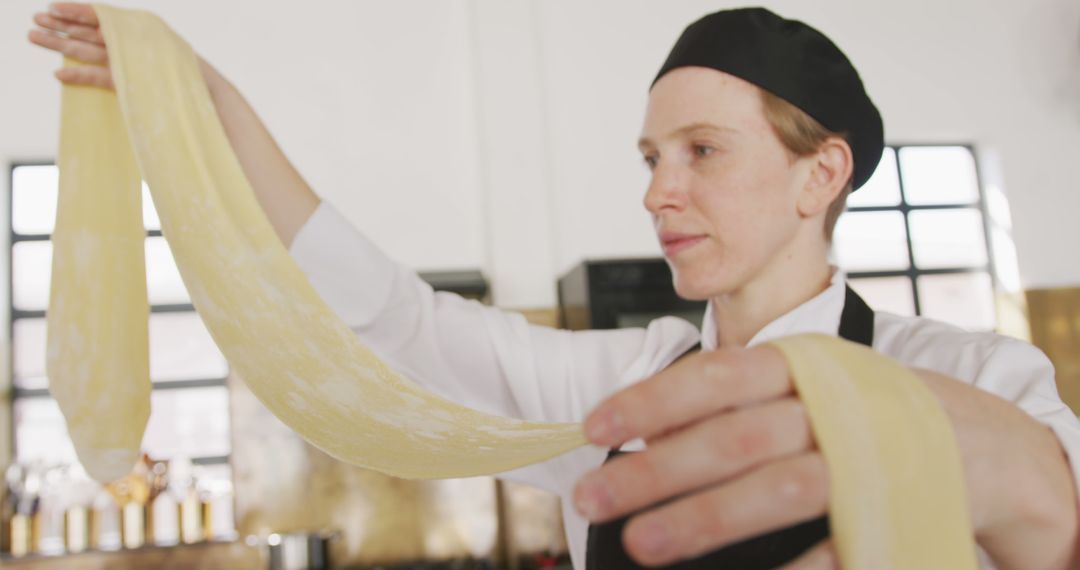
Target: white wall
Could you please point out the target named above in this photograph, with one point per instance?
(500, 133)
(373, 101)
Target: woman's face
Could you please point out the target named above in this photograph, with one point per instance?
(724, 189)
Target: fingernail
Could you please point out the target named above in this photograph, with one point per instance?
(652, 538)
(605, 427)
(593, 499)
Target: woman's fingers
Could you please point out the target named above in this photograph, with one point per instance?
(774, 496)
(70, 29)
(76, 49)
(706, 453)
(86, 75)
(696, 387)
(74, 31)
(76, 13)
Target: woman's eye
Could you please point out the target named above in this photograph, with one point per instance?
(650, 161)
(701, 150)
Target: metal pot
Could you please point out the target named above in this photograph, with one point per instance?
(299, 550)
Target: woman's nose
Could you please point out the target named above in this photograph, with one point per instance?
(666, 189)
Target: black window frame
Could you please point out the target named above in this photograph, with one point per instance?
(913, 272)
(14, 315)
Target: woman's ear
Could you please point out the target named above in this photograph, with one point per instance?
(830, 172)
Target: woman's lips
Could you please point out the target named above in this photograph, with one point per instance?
(674, 243)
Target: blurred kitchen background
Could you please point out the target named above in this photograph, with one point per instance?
(490, 144)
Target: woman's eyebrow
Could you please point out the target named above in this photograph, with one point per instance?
(646, 142)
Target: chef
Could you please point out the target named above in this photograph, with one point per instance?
(756, 130)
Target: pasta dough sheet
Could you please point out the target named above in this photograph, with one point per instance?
(897, 493)
(97, 354)
(278, 335)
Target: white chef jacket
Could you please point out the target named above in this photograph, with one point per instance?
(496, 362)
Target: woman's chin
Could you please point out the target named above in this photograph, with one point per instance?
(691, 291)
(697, 279)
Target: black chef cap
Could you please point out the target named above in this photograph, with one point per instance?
(794, 62)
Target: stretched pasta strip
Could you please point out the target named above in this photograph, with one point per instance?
(97, 353)
(897, 498)
(278, 335)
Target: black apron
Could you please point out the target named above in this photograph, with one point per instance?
(605, 548)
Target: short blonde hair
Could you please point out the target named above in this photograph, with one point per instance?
(802, 135)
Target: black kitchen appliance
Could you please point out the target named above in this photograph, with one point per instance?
(621, 293)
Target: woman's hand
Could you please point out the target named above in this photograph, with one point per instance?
(731, 455)
(74, 31)
(1021, 490)
(727, 437)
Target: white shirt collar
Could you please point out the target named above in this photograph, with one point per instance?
(820, 314)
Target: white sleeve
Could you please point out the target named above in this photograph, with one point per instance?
(1022, 374)
(482, 357)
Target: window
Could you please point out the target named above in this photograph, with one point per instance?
(914, 239)
(189, 401)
